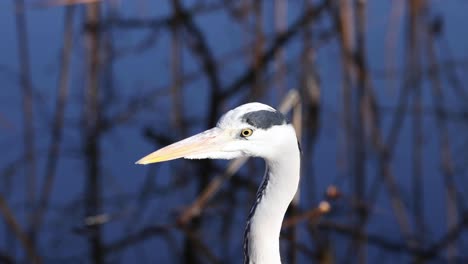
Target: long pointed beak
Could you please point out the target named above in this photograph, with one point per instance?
(197, 146)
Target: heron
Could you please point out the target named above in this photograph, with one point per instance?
(253, 130)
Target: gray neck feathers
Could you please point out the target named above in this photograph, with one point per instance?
(258, 199)
(261, 239)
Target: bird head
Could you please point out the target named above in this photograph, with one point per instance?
(252, 129)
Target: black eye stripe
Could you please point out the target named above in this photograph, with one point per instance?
(264, 119)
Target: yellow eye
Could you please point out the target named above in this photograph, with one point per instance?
(246, 132)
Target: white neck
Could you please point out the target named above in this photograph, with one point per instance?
(280, 183)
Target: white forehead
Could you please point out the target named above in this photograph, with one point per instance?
(234, 116)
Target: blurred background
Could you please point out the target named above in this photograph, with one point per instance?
(375, 89)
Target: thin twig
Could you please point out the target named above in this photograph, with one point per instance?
(58, 123)
(27, 96)
(11, 221)
(438, 98)
(281, 40)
